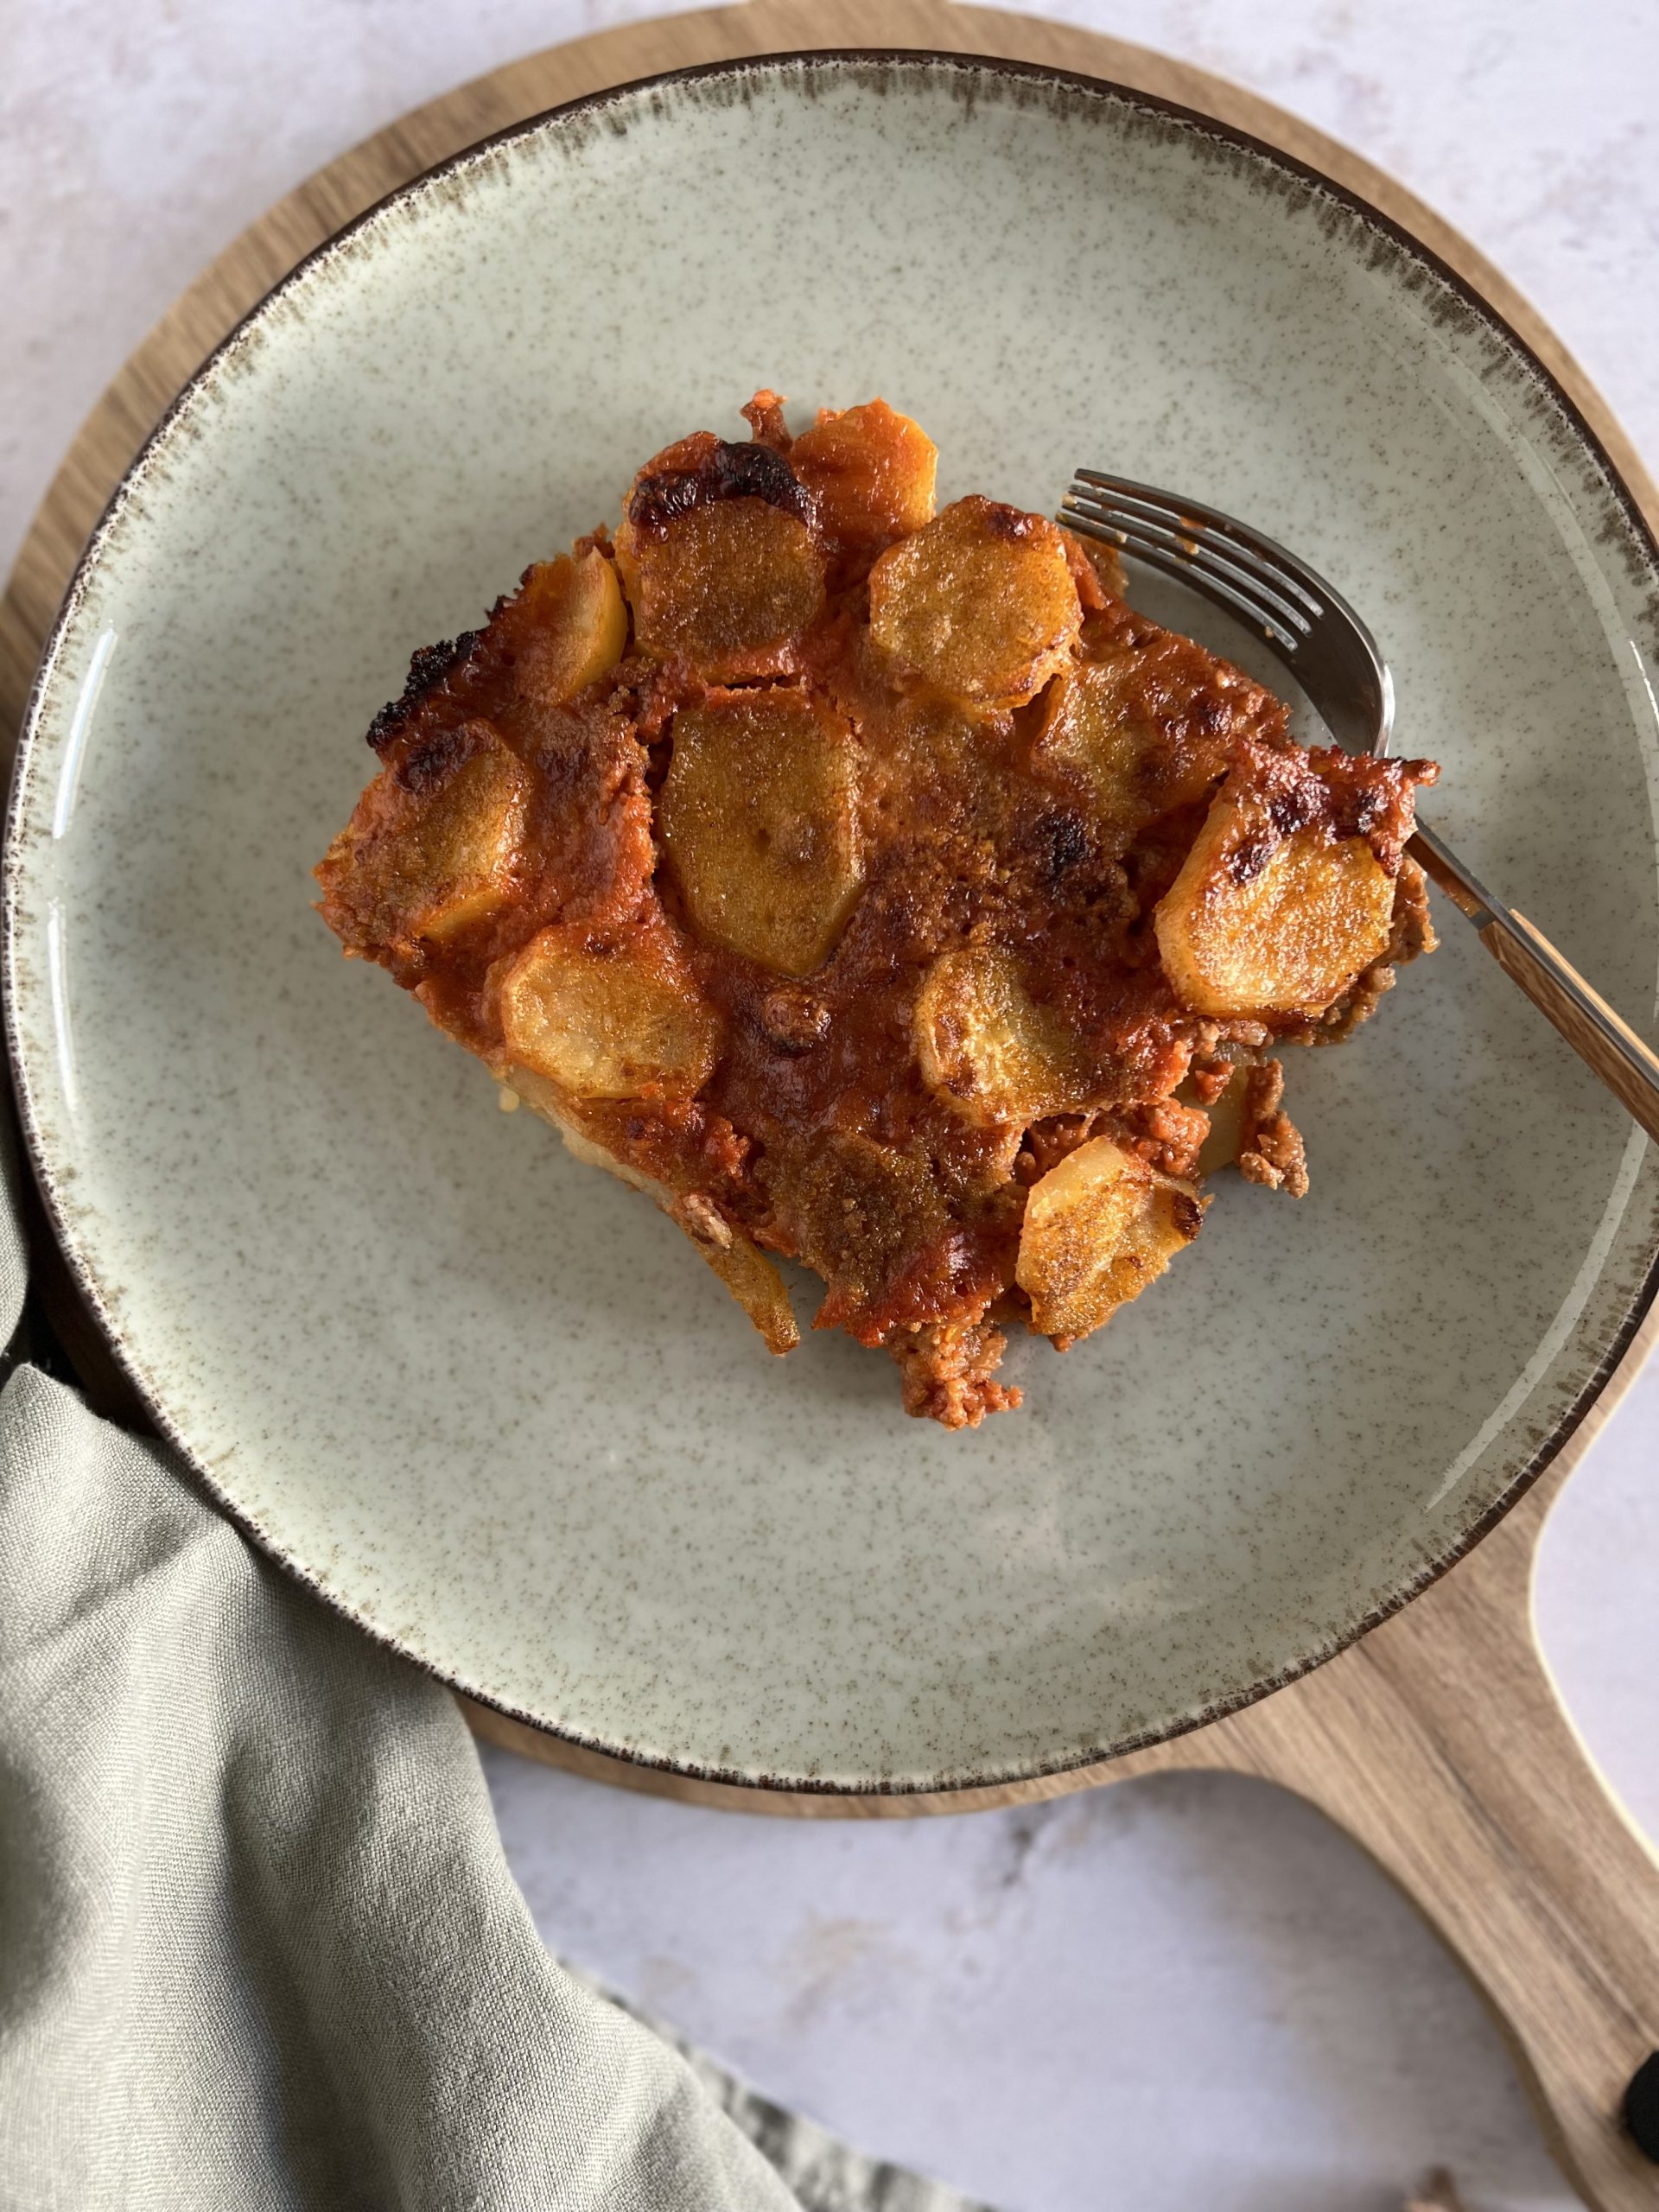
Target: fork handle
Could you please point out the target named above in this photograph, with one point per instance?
(1608, 1046)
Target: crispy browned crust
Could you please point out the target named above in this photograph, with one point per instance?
(946, 1373)
(814, 1135)
(1271, 1150)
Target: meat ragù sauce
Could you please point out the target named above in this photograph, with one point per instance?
(875, 887)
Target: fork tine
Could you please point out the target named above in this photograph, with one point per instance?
(1188, 528)
(1256, 607)
(1260, 583)
(1251, 546)
(1313, 627)
(1201, 579)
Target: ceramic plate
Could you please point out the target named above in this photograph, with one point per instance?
(484, 1400)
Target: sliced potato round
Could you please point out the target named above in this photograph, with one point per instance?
(576, 626)
(608, 1014)
(871, 471)
(985, 1046)
(758, 815)
(1260, 921)
(980, 605)
(1089, 732)
(428, 862)
(1097, 732)
(729, 587)
(454, 861)
(1098, 1228)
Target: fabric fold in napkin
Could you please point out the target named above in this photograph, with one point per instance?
(259, 1946)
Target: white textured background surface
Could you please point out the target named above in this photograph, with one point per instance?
(1184, 1993)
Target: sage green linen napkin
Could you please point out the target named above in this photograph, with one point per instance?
(259, 1946)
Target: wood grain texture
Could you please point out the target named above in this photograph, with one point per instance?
(1437, 1742)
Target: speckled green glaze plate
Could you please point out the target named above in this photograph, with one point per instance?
(486, 1400)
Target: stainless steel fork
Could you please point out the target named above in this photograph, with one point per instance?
(1334, 658)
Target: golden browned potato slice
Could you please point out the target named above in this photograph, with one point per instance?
(981, 604)
(985, 1046)
(577, 626)
(1098, 1228)
(728, 587)
(759, 819)
(428, 862)
(871, 471)
(608, 1014)
(458, 851)
(744, 1268)
(1096, 730)
(1259, 922)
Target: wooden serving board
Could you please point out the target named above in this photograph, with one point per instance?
(1437, 1742)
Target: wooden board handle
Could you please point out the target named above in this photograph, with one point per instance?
(1439, 1744)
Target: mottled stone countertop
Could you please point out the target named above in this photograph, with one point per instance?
(1178, 1994)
